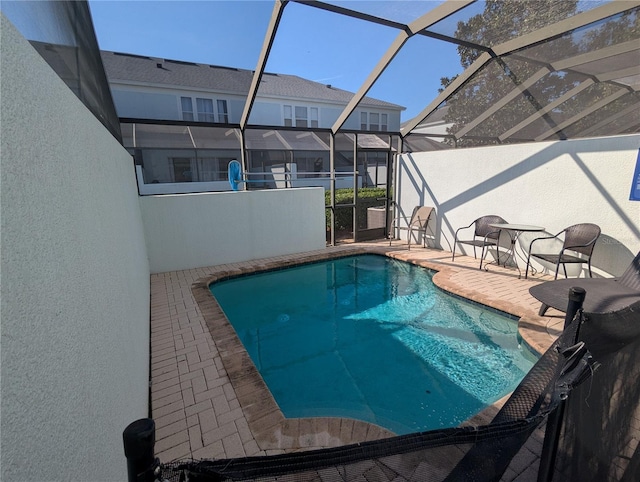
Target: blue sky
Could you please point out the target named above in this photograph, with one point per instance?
(311, 43)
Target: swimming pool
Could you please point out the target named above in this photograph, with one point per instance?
(372, 338)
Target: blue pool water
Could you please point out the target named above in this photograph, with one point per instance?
(372, 338)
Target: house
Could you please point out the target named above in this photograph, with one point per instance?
(200, 107)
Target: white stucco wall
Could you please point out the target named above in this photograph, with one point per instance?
(553, 185)
(185, 231)
(75, 281)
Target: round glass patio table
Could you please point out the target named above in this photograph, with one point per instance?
(515, 230)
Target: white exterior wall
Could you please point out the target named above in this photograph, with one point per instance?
(185, 231)
(157, 102)
(553, 185)
(162, 103)
(266, 113)
(75, 281)
(353, 121)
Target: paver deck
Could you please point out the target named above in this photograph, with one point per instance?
(208, 400)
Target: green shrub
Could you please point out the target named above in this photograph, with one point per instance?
(367, 197)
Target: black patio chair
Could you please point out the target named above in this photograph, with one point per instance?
(579, 238)
(484, 235)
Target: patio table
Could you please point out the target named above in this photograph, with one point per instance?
(515, 230)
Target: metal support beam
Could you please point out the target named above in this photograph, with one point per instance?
(546, 109)
(596, 55)
(451, 89)
(243, 156)
(565, 26)
(440, 12)
(392, 160)
(276, 16)
(437, 14)
(596, 128)
(350, 13)
(584, 113)
(355, 187)
(370, 80)
(555, 30)
(332, 168)
(519, 90)
(632, 71)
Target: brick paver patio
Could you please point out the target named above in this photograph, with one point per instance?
(208, 401)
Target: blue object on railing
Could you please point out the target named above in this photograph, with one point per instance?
(235, 174)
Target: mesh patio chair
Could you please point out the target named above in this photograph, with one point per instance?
(484, 235)
(579, 238)
(419, 222)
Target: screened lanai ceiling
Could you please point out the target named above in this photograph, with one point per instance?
(505, 71)
(529, 70)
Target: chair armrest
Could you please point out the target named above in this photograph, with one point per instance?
(542, 237)
(463, 227)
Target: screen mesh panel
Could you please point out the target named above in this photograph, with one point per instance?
(62, 33)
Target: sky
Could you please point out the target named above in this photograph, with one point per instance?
(311, 43)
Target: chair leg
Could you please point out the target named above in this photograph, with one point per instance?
(543, 309)
(589, 265)
(454, 249)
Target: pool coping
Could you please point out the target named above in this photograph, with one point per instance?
(270, 428)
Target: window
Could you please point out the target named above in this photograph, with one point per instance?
(205, 110)
(301, 116)
(223, 114)
(187, 108)
(373, 121)
(288, 117)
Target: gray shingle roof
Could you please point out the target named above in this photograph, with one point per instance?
(136, 68)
